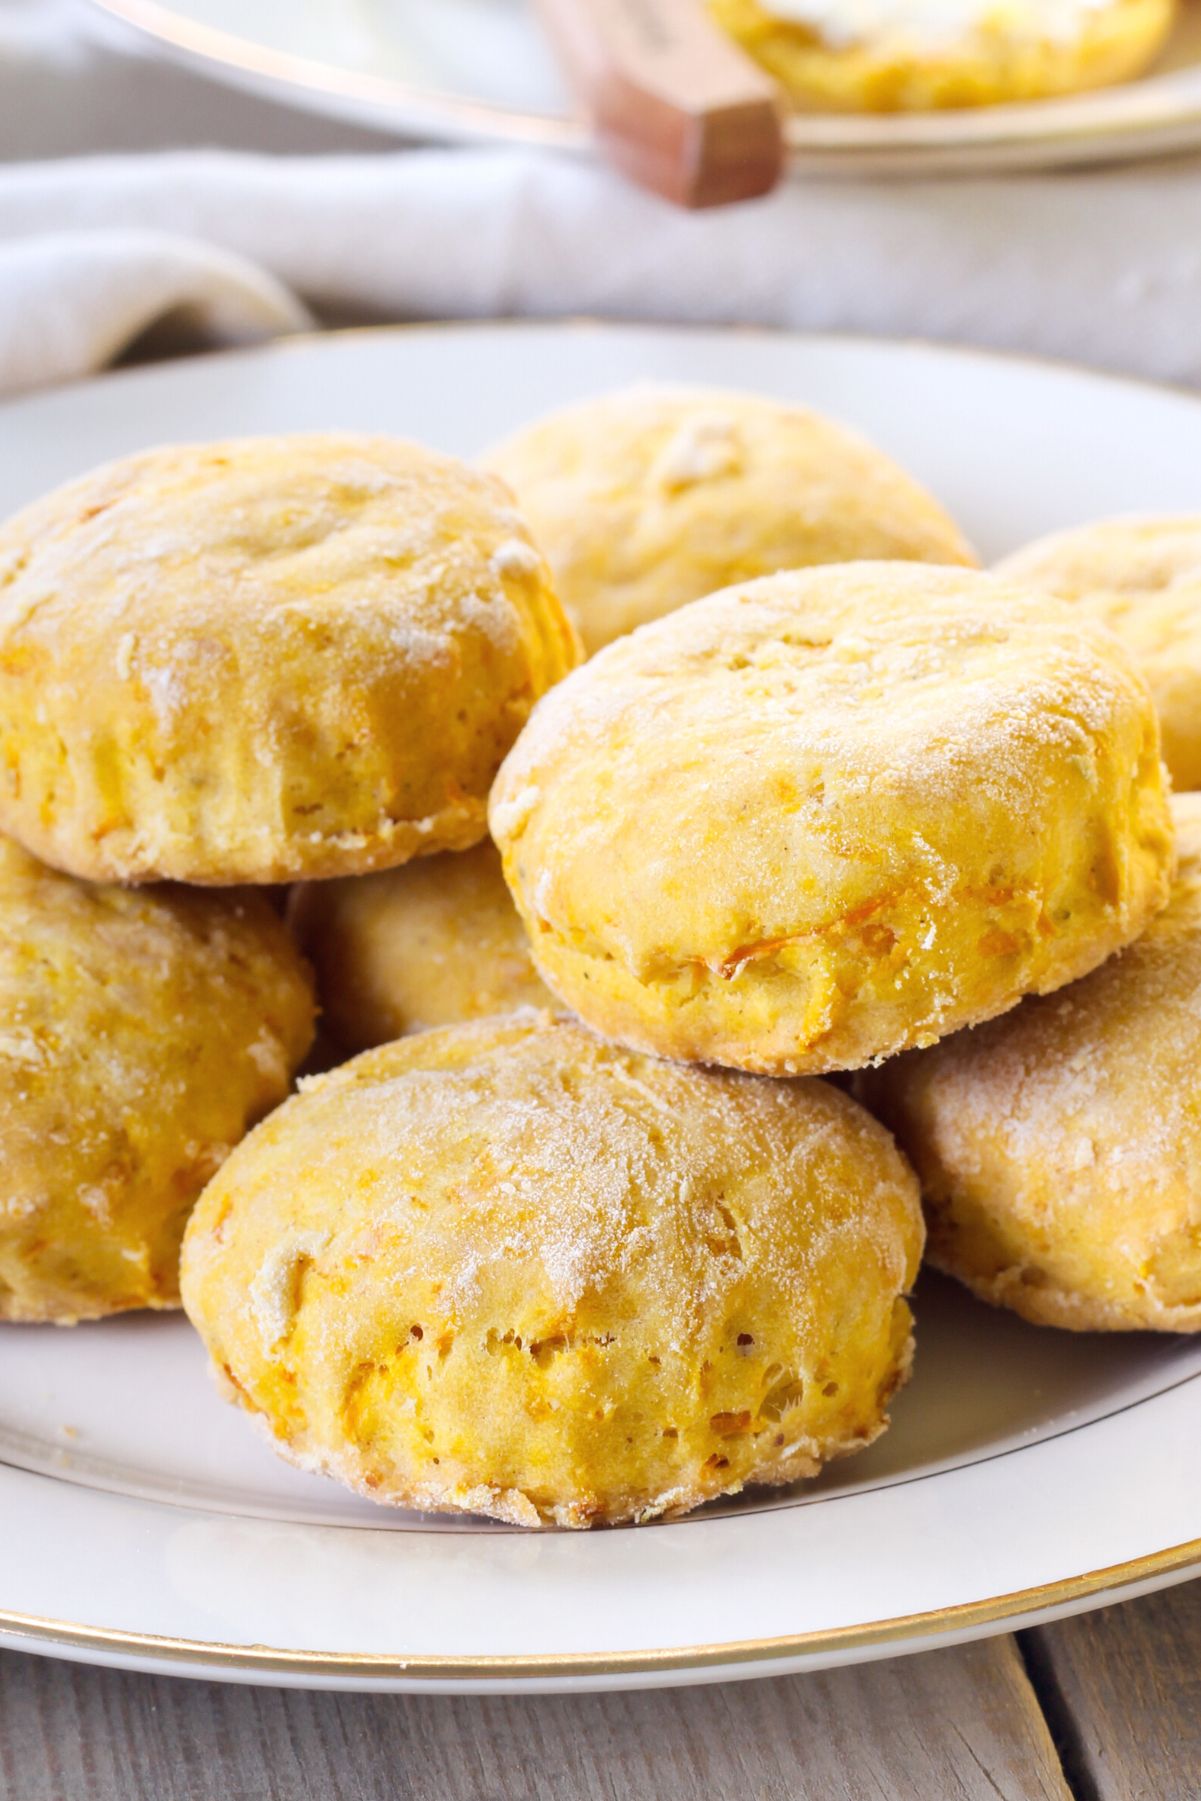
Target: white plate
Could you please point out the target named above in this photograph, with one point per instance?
(479, 70)
(1028, 1472)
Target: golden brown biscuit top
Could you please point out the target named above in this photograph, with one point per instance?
(526, 1155)
(511, 1267)
(783, 752)
(1141, 575)
(267, 659)
(175, 558)
(651, 497)
(1099, 1081)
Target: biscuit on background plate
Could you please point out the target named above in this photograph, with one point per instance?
(920, 55)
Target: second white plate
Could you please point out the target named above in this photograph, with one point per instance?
(479, 70)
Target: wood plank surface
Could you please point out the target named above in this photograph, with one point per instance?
(1122, 1691)
(952, 1725)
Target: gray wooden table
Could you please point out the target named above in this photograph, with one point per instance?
(1102, 1708)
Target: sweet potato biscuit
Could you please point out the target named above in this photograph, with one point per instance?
(834, 814)
(141, 1033)
(267, 659)
(906, 55)
(508, 1268)
(1060, 1147)
(649, 498)
(432, 944)
(1142, 578)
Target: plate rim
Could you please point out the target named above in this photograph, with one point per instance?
(968, 1617)
(1060, 128)
(243, 59)
(310, 337)
(892, 1635)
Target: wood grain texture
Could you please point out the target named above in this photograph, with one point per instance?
(1122, 1691)
(955, 1725)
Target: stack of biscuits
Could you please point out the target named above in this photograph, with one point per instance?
(604, 799)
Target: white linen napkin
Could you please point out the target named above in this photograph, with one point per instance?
(1103, 266)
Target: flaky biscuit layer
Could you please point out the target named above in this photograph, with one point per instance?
(508, 1268)
(267, 659)
(831, 815)
(649, 498)
(141, 1033)
(1060, 1147)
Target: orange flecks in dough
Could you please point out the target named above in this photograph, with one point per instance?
(1060, 1146)
(266, 660)
(982, 814)
(631, 1285)
(141, 1033)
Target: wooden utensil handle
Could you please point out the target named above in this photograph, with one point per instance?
(676, 104)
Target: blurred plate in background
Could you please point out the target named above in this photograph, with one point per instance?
(478, 70)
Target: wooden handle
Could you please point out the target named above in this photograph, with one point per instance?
(676, 105)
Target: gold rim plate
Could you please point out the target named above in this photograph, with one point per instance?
(1153, 116)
